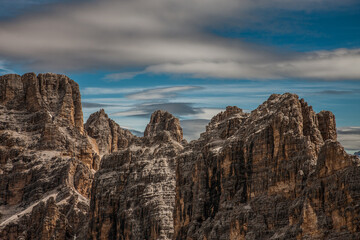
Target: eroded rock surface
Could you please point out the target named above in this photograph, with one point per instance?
(133, 194)
(276, 173)
(109, 136)
(46, 161)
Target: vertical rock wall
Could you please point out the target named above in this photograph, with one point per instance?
(133, 194)
(47, 162)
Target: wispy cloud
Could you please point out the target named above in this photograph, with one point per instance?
(93, 105)
(122, 76)
(146, 109)
(161, 93)
(349, 137)
(338, 92)
(193, 128)
(349, 130)
(102, 91)
(166, 36)
(4, 67)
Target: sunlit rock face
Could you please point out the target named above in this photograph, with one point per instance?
(46, 160)
(277, 172)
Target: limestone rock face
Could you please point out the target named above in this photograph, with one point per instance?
(163, 121)
(327, 125)
(46, 161)
(109, 136)
(55, 93)
(133, 194)
(276, 173)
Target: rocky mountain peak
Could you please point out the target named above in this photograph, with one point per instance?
(161, 121)
(53, 93)
(275, 173)
(229, 112)
(109, 136)
(327, 125)
(47, 162)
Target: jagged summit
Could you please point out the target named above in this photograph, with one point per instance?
(161, 121)
(271, 174)
(274, 173)
(109, 136)
(142, 184)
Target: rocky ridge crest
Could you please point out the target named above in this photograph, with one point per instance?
(274, 173)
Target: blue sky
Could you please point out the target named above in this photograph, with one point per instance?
(192, 58)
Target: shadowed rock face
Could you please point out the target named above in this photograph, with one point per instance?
(275, 173)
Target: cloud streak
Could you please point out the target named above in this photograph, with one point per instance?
(193, 128)
(165, 36)
(146, 109)
(161, 93)
(106, 91)
(349, 137)
(94, 105)
(4, 69)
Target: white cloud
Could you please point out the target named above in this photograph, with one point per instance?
(349, 137)
(164, 36)
(130, 113)
(193, 128)
(161, 93)
(100, 91)
(207, 113)
(121, 76)
(339, 64)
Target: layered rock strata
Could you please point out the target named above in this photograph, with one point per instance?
(109, 136)
(46, 161)
(274, 173)
(133, 194)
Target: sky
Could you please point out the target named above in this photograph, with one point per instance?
(191, 57)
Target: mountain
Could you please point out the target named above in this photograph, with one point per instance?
(277, 172)
(47, 160)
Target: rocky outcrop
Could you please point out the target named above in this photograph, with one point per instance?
(327, 125)
(46, 161)
(133, 194)
(109, 136)
(54, 93)
(276, 173)
(163, 121)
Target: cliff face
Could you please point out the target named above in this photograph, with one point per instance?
(109, 136)
(46, 160)
(50, 92)
(275, 173)
(133, 194)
